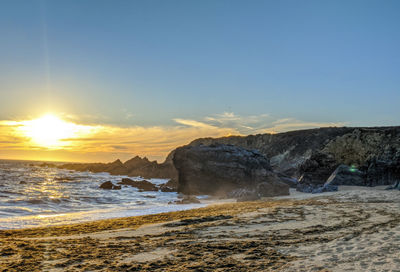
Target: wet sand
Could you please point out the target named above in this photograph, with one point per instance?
(355, 229)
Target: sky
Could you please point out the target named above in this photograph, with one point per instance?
(144, 77)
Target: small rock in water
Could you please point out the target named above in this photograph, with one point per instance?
(108, 185)
(170, 186)
(142, 185)
(149, 196)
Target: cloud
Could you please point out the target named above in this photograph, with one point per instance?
(193, 123)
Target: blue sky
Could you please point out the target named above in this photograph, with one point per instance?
(153, 63)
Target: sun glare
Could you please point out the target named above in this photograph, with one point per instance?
(51, 131)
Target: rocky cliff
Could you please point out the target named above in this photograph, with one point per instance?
(312, 155)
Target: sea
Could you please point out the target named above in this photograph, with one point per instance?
(36, 196)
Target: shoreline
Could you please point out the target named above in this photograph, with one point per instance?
(355, 229)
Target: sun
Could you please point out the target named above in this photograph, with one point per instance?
(50, 131)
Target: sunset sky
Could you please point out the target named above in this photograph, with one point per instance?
(100, 80)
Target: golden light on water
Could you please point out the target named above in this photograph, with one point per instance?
(52, 132)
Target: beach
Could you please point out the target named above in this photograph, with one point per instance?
(354, 229)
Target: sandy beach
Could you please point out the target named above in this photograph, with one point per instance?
(354, 229)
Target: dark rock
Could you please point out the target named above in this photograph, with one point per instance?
(346, 175)
(143, 185)
(243, 194)
(292, 182)
(218, 169)
(136, 162)
(167, 189)
(317, 169)
(325, 188)
(187, 200)
(306, 188)
(272, 188)
(22, 182)
(384, 169)
(394, 186)
(116, 168)
(170, 186)
(46, 164)
(149, 196)
(108, 185)
(315, 189)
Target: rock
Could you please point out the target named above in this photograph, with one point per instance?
(166, 189)
(187, 199)
(315, 171)
(346, 175)
(108, 185)
(292, 182)
(272, 188)
(116, 168)
(170, 186)
(243, 194)
(325, 188)
(22, 182)
(394, 186)
(136, 162)
(315, 189)
(149, 196)
(384, 169)
(218, 169)
(143, 185)
(46, 164)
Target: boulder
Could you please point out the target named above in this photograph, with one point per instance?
(394, 186)
(108, 185)
(384, 169)
(315, 171)
(170, 186)
(219, 169)
(272, 188)
(142, 185)
(325, 188)
(244, 194)
(346, 175)
(292, 182)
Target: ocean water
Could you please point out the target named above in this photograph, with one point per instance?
(34, 196)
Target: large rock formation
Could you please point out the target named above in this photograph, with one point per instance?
(313, 155)
(220, 169)
(346, 175)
